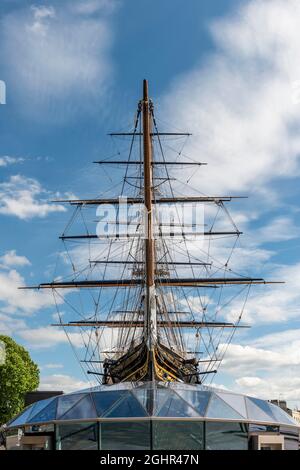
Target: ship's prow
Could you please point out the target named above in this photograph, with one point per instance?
(138, 364)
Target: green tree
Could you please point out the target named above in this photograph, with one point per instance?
(18, 375)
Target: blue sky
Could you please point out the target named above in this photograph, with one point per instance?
(229, 72)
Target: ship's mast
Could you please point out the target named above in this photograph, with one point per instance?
(158, 355)
(150, 300)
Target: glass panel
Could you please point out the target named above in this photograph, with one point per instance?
(146, 397)
(160, 396)
(114, 387)
(183, 386)
(226, 436)
(47, 414)
(177, 435)
(237, 402)
(125, 436)
(121, 386)
(143, 385)
(97, 388)
(104, 400)
(289, 431)
(77, 436)
(217, 408)
(22, 418)
(177, 407)
(264, 405)
(83, 409)
(65, 402)
(255, 413)
(197, 399)
(263, 427)
(281, 415)
(127, 407)
(39, 406)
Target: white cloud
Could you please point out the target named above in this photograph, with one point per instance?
(62, 382)
(249, 382)
(242, 358)
(275, 387)
(6, 160)
(25, 198)
(48, 337)
(279, 229)
(10, 325)
(57, 60)
(239, 105)
(53, 366)
(14, 300)
(10, 258)
(91, 7)
(40, 14)
(274, 303)
(43, 11)
(267, 366)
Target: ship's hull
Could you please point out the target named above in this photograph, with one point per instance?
(141, 364)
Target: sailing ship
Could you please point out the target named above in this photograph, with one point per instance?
(164, 325)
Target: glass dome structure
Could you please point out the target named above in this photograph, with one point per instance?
(141, 416)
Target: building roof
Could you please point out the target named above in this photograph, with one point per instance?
(156, 400)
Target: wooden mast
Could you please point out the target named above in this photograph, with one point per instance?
(150, 317)
(149, 358)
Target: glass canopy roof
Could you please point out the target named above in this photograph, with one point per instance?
(153, 399)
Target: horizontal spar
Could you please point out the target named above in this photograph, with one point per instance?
(183, 282)
(152, 133)
(141, 312)
(164, 263)
(166, 200)
(153, 177)
(161, 324)
(138, 235)
(138, 162)
(123, 351)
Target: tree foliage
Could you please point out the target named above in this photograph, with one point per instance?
(18, 375)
